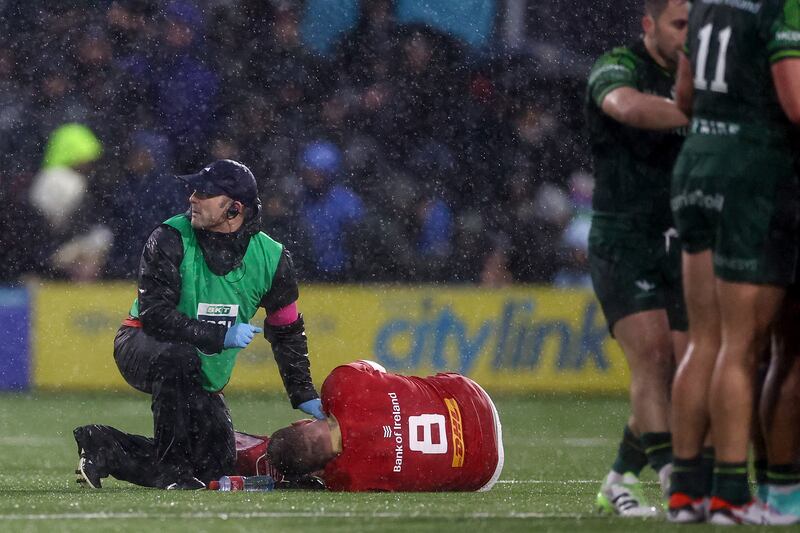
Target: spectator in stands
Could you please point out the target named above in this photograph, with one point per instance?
(427, 93)
(146, 182)
(364, 53)
(538, 216)
(330, 212)
(17, 133)
(22, 224)
(64, 195)
(186, 88)
(574, 240)
(132, 31)
(292, 76)
(234, 79)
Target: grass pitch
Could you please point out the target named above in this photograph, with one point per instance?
(557, 451)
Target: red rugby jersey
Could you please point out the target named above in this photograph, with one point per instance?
(251, 456)
(405, 433)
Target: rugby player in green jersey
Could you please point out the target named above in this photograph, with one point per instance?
(634, 257)
(734, 199)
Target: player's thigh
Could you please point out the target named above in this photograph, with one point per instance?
(626, 271)
(697, 196)
(699, 290)
(757, 235)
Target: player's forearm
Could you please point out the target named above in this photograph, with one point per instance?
(643, 111)
(290, 347)
(654, 113)
(684, 86)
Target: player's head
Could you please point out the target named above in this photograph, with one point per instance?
(302, 448)
(665, 23)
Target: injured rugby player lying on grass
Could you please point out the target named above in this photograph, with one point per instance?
(383, 432)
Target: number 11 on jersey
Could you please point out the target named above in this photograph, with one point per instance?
(718, 84)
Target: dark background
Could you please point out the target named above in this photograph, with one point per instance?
(402, 155)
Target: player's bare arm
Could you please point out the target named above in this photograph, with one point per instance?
(786, 77)
(664, 25)
(644, 111)
(684, 86)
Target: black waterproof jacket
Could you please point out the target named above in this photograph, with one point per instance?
(160, 292)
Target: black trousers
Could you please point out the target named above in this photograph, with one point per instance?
(192, 428)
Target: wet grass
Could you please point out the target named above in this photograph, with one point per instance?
(557, 450)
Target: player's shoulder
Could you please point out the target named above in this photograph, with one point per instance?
(354, 378)
(789, 8)
(621, 57)
(369, 366)
(361, 367)
(786, 13)
(615, 66)
(781, 27)
(454, 379)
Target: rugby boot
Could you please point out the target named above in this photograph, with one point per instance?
(89, 471)
(624, 498)
(683, 509)
(723, 513)
(782, 507)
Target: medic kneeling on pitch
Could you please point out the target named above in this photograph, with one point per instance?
(386, 432)
(383, 432)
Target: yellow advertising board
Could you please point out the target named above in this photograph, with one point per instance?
(72, 337)
(518, 339)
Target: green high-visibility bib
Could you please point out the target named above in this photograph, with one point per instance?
(226, 299)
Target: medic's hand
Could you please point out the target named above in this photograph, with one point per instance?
(240, 335)
(313, 408)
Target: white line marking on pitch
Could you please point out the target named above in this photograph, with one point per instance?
(551, 481)
(559, 481)
(243, 516)
(590, 442)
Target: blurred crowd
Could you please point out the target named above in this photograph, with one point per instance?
(401, 156)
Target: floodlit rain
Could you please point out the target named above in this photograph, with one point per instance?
(403, 141)
(426, 176)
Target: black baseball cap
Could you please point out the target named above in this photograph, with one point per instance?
(227, 177)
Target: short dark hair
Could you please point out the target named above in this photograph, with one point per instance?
(654, 8)
(292, 453)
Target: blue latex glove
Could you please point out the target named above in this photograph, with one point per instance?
(240, 335)
(313, 408)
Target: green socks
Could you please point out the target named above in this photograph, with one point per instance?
(658, 448)
(783, 474)
(630, 455)
(707, 467)
(730, 483)
(687, 477)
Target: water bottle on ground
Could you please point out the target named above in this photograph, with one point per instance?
(248, 483)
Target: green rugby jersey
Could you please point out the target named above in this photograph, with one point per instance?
(732, 45)
(632, 166)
